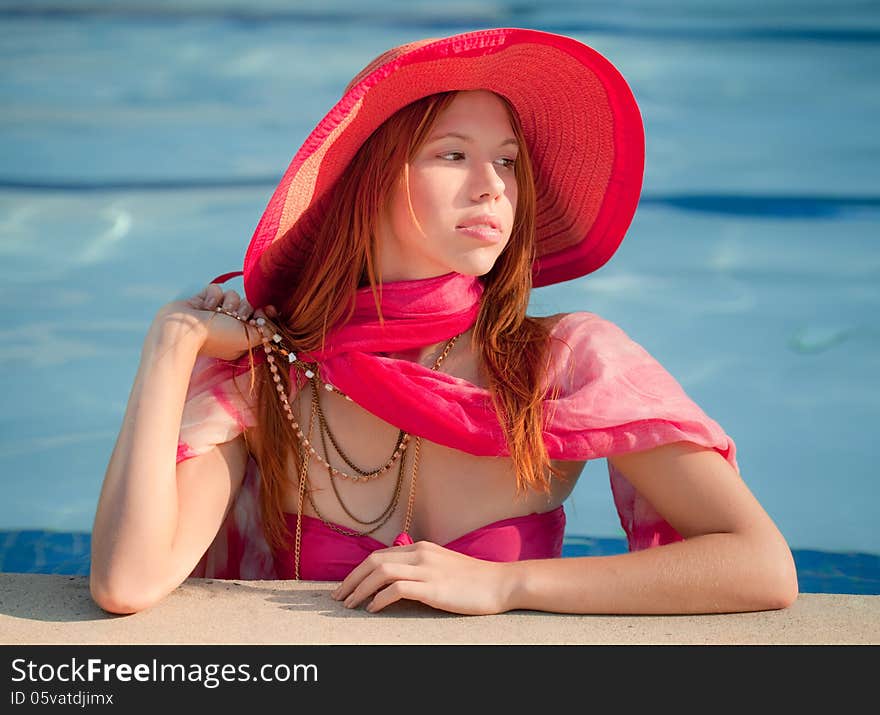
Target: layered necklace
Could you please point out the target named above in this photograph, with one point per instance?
(276, 352)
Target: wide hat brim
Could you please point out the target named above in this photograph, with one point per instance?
(579, 117)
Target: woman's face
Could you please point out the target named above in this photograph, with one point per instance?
(463, 192)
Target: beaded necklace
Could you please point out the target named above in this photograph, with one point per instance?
(274, 345)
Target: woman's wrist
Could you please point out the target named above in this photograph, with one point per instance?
(175, 327)
(512, 585)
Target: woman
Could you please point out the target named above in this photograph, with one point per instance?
(391, 273)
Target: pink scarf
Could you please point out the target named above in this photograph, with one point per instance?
(613, 396)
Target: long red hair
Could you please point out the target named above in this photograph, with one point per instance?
(513, 347)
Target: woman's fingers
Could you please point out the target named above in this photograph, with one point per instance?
(384, 574)
(245, 310)
(208, 298)
(268, 325)
(226, 337)
(397, 591)
(212, 296)
(372, 563)
(230, 301)
(436, 576)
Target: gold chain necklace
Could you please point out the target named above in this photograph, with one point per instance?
(304, 472)
(386, 513)
(272, 344)
(402, 440)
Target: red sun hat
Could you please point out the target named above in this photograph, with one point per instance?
(579, 118)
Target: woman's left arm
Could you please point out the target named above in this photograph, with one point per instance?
(732, 559)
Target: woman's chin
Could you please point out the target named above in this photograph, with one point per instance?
(468, 266)
(478, 267)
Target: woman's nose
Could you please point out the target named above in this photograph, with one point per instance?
(487, 182)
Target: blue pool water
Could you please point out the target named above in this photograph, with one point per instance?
(34, 551)
(139, 140)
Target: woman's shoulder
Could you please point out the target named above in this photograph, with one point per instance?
(584, 341)
(576, 324)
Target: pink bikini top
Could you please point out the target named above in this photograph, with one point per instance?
(327, 555)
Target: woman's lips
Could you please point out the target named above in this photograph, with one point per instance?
(482, 232)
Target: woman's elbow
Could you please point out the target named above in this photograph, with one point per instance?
(779, 596)
(787, 592)
(118, 599)
(780, 584)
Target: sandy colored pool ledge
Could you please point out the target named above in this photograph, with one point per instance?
(47, 609)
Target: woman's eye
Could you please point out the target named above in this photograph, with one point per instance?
(458, 156)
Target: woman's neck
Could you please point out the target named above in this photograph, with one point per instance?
(428, 354)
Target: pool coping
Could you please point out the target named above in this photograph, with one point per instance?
(42, 609)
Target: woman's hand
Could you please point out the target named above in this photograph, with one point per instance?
(426, 572)
(218, 335)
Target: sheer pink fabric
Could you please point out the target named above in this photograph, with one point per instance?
(220, 406)
(217, 407)
(613, 397)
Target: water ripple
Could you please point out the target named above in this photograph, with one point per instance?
(461, 18)
(811, 339)
(753, 205)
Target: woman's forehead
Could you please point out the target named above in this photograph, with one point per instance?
(472, 111)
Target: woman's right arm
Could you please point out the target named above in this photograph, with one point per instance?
(154, 518)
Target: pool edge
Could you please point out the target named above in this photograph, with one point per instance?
(54, 609)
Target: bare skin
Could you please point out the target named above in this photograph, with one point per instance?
(455, 492)
(155, 519)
